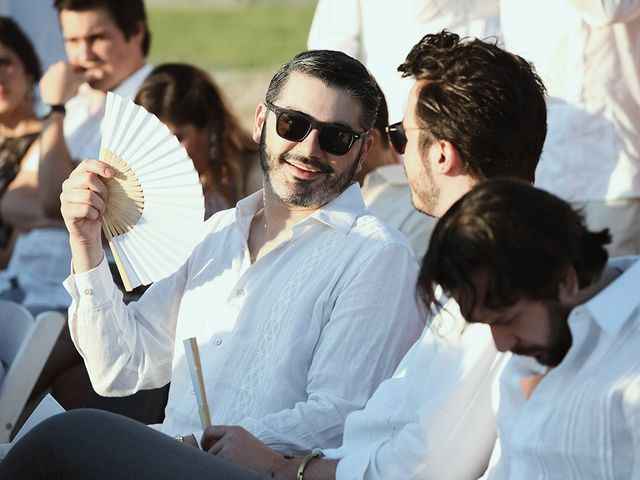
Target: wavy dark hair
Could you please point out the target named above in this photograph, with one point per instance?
(185, 94)
(522, 237)
(487, 102)
(125, 13)
(12, 37)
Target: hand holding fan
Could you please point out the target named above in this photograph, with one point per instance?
(155, 209)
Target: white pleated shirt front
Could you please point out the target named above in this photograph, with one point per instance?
(433, 419)
(583, 419)
(290, 344)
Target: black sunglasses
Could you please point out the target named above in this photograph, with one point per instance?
(295, 126)
(398, 137)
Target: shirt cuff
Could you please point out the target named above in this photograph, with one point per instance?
(353, 465)
(95, 287)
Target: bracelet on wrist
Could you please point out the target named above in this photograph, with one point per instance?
(304, 463)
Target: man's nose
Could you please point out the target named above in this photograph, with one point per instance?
(310, 146)
(503, 338)
(84, 52)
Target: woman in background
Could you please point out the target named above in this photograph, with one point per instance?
(190, 103)
(19, 127)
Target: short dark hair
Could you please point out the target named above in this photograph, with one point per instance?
(12, 37)
(523, 238)
(334, 69)
(382, 118)
(125, 13)
(487, 102)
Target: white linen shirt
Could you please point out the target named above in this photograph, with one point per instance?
(41, 257)
(381, 33)
(583, 419)
(587, 53)
(387, 195)
(434, 418)
(290, 344)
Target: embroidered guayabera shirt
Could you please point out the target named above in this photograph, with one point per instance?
(583, 419)
(290, 344)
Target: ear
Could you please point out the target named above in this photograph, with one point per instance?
(138, 36)
(367, 144)
(569, 286)
(447, 158)
(261, 113)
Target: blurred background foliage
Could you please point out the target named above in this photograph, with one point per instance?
(240, 42)
(228, 35)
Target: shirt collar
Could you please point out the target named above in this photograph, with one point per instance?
(128, 87)
(340, 213)
(612, 307)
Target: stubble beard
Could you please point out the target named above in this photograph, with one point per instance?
(425, 199)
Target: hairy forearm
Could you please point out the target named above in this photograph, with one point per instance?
(55, 165)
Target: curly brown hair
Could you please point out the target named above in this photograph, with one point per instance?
(487, 102)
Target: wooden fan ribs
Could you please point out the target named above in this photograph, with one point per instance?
(151, 231)
(126, 198)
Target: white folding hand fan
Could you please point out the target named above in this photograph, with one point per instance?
(155, 209)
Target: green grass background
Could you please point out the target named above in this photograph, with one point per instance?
(218, 37)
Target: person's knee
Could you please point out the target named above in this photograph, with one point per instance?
(66, 429)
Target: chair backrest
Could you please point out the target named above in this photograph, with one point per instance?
(25, 345)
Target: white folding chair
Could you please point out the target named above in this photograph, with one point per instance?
(25, 345)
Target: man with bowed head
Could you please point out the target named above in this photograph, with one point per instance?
(523, 262)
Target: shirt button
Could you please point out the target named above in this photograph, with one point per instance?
(218, 341)
(88, 291)
(240, 292)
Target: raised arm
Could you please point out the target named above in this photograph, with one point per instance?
(83, 200)
(58, 85)
(125, 347)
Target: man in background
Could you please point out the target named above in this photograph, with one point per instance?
(106, 43)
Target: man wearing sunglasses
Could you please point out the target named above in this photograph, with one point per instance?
(301, 301)
(476, 112)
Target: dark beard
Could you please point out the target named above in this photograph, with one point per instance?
(301, 193)
(560, 338)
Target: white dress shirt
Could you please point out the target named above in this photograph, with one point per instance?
(41, 257)
(290, 344)
(587, 53)
(387, 195)
(434, 418)
(381, 33)
(583, 419)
